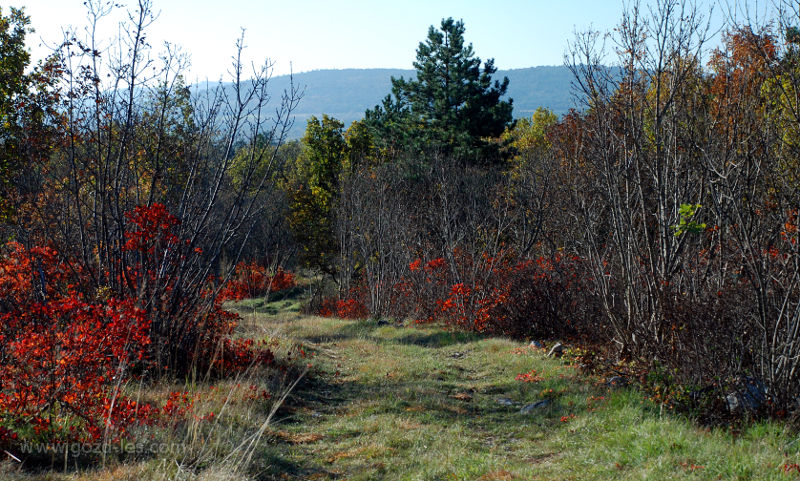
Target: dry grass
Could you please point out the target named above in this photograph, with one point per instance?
(297, 438)
(193, 447)
(501, 475)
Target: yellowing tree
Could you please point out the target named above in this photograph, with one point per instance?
(530, 135)
(312, 187)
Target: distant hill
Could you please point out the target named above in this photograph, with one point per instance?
(346, 94)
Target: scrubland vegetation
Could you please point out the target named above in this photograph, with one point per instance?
(177, 275)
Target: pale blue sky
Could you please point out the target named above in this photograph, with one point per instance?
(321, 34)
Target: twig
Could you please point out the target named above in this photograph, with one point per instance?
(12, 456)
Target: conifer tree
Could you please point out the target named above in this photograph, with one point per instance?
(452, 106)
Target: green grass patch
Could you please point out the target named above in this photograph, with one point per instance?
(426, 403)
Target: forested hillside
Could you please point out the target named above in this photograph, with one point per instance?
(346, 94)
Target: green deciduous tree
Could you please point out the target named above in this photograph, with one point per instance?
(14, 60)
(452, 106)
(361, 148)
(26, 98)
(312, 188)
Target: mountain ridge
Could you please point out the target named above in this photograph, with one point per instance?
(346, 93)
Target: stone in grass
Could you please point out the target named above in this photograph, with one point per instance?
(617, 381)
(534, 406)
(383, 322)
(557, 350)
(749, 397)
(505, 401)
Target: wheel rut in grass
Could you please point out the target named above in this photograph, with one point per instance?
(388, 399)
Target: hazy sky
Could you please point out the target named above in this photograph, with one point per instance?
(321, 34)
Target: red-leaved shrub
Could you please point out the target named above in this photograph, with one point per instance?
(68, 351)
(192, 332)
(252, 280)
(63, 359)
(498, 294)
(351, 307)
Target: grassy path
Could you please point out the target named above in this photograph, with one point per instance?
(421, 403)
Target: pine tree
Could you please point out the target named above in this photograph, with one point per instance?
(452, 106)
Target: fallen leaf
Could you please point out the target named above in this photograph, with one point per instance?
(345, 454)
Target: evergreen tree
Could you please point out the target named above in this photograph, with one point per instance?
(452, 106)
